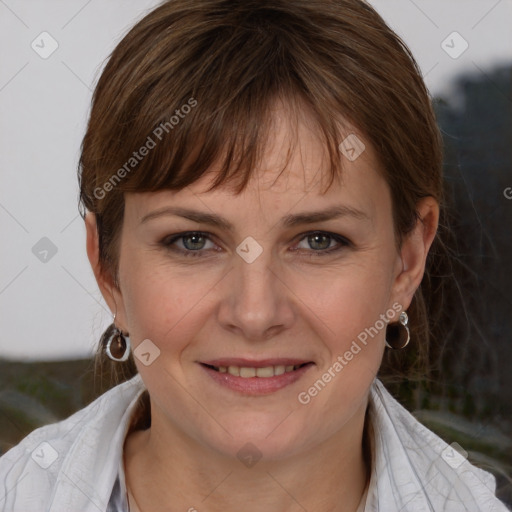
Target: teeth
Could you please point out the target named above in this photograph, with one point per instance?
(279, 370)
(268, 371)
(248, 372)
(234, 370)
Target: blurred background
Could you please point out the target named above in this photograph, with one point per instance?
(51, 312)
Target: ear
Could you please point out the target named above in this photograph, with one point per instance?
(110, 292)
(414, 251)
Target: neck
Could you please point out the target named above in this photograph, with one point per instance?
(165, 466)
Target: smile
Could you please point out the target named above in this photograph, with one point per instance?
(256, 378)
(247, 372)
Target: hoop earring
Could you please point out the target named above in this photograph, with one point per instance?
(397, 333)
(118, 345)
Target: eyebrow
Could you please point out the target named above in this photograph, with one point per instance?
(287, 221)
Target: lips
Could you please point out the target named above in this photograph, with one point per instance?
(256, 376)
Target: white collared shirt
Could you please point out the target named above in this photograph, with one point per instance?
(76, 464)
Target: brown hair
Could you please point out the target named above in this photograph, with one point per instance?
(197, 78)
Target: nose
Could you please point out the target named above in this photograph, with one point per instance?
(256, 303)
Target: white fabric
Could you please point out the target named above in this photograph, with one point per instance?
(83, 455)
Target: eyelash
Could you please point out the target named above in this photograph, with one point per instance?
(168, 242)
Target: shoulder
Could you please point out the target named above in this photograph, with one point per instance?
(45, 467)
(414, 469)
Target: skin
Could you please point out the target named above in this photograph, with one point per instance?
(287, 303)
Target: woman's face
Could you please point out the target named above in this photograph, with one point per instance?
(257, 290)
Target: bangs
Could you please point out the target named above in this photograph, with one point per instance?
(232, 140)
(189, 139)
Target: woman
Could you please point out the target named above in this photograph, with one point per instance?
(262, 184)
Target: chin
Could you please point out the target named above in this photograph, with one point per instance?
(260, 436)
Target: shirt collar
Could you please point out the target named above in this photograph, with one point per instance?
(412, 471)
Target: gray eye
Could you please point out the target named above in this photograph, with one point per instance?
(194, 241)
(318, 241)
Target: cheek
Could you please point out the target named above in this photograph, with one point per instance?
(348, 314)
(158, 300)
(348, 300)
(352, 332)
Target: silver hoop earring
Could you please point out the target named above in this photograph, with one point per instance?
(397, 333)
(118, 345)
